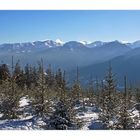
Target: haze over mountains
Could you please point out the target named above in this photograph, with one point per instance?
(91, 58)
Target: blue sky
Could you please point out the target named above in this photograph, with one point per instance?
(23, 26)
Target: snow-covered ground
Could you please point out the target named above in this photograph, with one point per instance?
(89, 117)
(25, 122)
(22, 124)
(24, 101)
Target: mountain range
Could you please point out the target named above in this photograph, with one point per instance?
(91, 58)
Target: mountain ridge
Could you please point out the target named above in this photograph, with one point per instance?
(69, 55)
(59, 43)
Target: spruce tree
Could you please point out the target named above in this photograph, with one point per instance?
(97, 91)
(76, 90)
(136, 107)
(10, 96)
(27, 76)
(41, 101)
(50, 77)
(64, 117)
(4, 72)
(90, 93)
(124, 120)
(108, 113)
(19, 75)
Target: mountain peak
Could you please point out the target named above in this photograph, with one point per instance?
(95, 44)
(59, 41)
(74, 44)
(84, 42)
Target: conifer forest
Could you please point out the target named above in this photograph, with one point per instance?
(37, 98)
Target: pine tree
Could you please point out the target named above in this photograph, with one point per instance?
(17, 69)
(19, 75)
(76, 90)
(136, 107)
(101, 97)
(97, 91)
(108, 113)
(50, 77)
(63, 118)
(59, 79)
(4, 72)
(10, 97)
(90, 92)
(41, 101)
(27, 76)
(65, 90)
(124, 120)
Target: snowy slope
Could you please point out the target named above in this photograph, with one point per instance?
(90, 119)
(25, 122)
(29, 122)
(89, 116)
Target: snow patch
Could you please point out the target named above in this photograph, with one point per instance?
(84, 42)
(59, 41)
(24, 101)
(124, 42)
(87, 117)
(46, 44)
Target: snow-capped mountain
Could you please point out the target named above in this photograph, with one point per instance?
(47, 44)
(95, 44)
(30, 46)
(134, 45)
(68, 55)
(85, 42)
(59, 41)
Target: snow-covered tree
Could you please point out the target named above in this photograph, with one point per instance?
(63, 118)
(124, 120)
(108, 114)
(10, 96)
(40, 94)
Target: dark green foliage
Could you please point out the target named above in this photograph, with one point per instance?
(10, 95)
(108, 113)
(40, 97)
(50, 80)
(76, 91)
(4, 72)
(124, 122)
(63, 117)
(19, 75)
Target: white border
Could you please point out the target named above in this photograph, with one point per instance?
(69, 135)
(69, 4)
